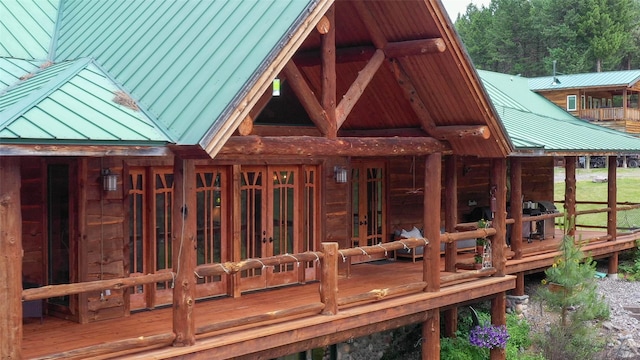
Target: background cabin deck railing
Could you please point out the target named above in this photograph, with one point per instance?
(628, 220)
(610, 114)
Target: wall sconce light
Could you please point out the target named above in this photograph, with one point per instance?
(340, 174)
(109, 180)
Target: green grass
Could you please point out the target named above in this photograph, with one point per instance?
(628, 184)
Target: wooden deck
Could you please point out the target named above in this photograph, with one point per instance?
(298, 331)
(57, 335)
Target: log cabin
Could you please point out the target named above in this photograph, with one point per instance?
(607, 98)
(176, 160)
(544, 135)
(174, 186)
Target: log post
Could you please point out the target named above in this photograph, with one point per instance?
(329, 281)
(570, 193)
(450, 221)
(328, 97)
(236, 210)
(498, 241)
(499, 317)
(431, 221)
(431, 335)
(516, 213)
(10, 259)
(184, 245)
(612, 215)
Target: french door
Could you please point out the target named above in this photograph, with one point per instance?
(150, 233)
(368, 209)
(272, 223)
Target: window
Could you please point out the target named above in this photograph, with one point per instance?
(572, 103)
(583, 103)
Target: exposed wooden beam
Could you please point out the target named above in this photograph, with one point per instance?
(308, 99)
(246, 127)
(460, 131)
(356, 89)
(318, 146)
(343, 55)
(450, 221)
(81, 150)
(499, 241)
(184, 253)
(411, 94)
(400, 132)
(431, 221)
(570, 192)
(612, 216)
(11, 259)
(364, 53)
(414, 47)
(324, 25)
(328, 98)
(377, 37)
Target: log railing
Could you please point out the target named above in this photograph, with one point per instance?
(329, 301)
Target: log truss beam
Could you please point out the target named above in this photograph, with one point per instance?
(325, 113)
(319, 146)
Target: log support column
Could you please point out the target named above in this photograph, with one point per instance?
(431, 260)
(515, 202)
(450, 221)
(570, 194)
(329, 280)
(612, 215)
(10, 259)
(499, 317)
(184, 251)
(431, 336)
(498, 242)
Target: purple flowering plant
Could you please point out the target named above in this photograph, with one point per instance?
(489, 336)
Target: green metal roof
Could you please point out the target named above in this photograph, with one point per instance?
(11, 70)
(624, 78)
(186, 63)
(533, 122)
(27, 27)
(71, 101)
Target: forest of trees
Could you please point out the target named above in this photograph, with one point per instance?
(526, 36)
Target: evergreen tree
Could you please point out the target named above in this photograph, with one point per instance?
(526, 36)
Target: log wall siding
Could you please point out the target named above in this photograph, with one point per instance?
(560, 97)
(405, 209)
(335, 198)
(103, 242)
(34, 231)
(537, 178)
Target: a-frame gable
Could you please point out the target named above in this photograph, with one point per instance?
(352, 84)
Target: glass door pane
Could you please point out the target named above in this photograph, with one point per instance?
(283, 219)
(211, 205)
(253, 234)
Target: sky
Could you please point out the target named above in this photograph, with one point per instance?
(454, 7)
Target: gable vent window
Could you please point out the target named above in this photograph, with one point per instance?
(572, 103)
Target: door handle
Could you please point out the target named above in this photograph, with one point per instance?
(363, 222)
(264, 240)
(270, 239)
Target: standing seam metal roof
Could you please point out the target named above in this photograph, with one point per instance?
(532, 121)
(186, 63)
(608, 78)
(71, 101)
